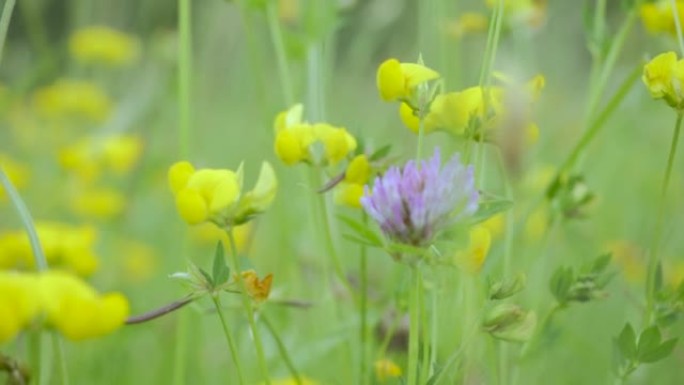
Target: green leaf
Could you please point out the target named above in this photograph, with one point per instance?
(380, 153)
(626, 341)
(221, 271)
(649, 340)
(488, 209)
(360, 241)
(507, 287)
(601, 263)
(660, 352)
(207, 277)
(561, 282)
(362, 231)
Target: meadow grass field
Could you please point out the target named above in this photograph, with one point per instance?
(341, 192)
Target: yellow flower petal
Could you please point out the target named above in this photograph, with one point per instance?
(179, 174)
(358, 171)
(391, 81)
(191, 206)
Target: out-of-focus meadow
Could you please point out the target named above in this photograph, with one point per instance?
(98, 99)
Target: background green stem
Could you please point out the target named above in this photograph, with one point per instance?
(281, 54)
(283, 350)
(414, 325)
(653, 259)
(229, 338)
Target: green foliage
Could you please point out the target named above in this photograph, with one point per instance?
(362, 233)
(220, 270)
(631, 352)
(507, 287)
(489, 208)
(585, 285)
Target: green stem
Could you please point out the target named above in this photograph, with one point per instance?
(180, 348)
(283, 350)
(421, 136)
(231, 343)
(414, 325)
(184, 75)
(593, 130)
(363, 306)
(426, 366)
(253, 53)
(249, 309)
(35, 352)
(281, 55)
(4, 23)
(653, 259)
(678, 25)
(58, 352)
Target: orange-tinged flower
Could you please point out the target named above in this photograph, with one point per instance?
(256, 288)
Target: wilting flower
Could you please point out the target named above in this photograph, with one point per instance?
(657, 17)
(412, 204)
(258, 289)
(398, 81)
(386, 369)
(350, 190)
(664, 78)
(103, 45)
(295, 139)
(73, 99)
(215, 195)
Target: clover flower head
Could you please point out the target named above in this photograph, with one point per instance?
(412, 204)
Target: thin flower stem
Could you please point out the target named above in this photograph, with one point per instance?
(414, 325)
(184, 75)
(363, 306)
(58, 352)
(249, 309)
(253, 53)
(35, 353)
(281, 54)
(653, 259)
(421, 136)
(283, 350)
(4, 23)
(425, 334)
(678, 25)
(229, 338)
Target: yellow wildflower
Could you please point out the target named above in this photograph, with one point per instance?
(294, 139)
(18, 305)
(537, 224)
(89, 157)
(103, 45)
(208, 233)
(386, 369)
(472, 258)
(100, 203)
(73, 99)
(350, 190)
(495, 225)
(398, 81)
(65, 246)
(664, 78)
(293, 381)
(257, 289)
(530, 13)
(17, 173)
(215, 195)
(77, 310)
(467, 23)
(139, 261)
(657, 17)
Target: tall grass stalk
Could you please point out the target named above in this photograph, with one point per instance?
(229, 338)
(281, 54)
(414, 324)
(654, 258)
(282, 349)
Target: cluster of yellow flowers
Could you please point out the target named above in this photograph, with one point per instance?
(657, 17)
(89, 160)
(468, 113)
(349, 191)
(295, 140)
(103, 45)
(65, 246)
(61, 301)
(664, 78)
(73, 99)
(215, 195)
(528, 14)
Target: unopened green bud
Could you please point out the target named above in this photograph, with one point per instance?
(507, 287)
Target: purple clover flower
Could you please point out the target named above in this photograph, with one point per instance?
(412, 204)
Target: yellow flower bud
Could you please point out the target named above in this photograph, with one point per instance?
(179, 174)
(191, 206)
(659, 75)
(657, 17)
(121, 152)
(288, 147)
(337, 142)
(348, 194)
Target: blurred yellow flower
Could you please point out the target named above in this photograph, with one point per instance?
(294, 139)
(77, 310)
(657, 17)
(215, 195)
(630, 258)
(65, 246)
(208, 233)
(537, 224)
(103, 45)
(349, 191)
(386, 369)
(89, 157)
(73, 99)
(69, 304)
(139, 261)
(467, 23)
(257, 289)
(529, 13)
(97, 202)
(472, 258)
(664, 78)
(495, 225)
(398, 81)
(293, 381)
(17, 173)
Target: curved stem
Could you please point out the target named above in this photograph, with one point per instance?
(653, 259)
(156, 313)
(4, 23)
(249, 309)
(231, 343)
